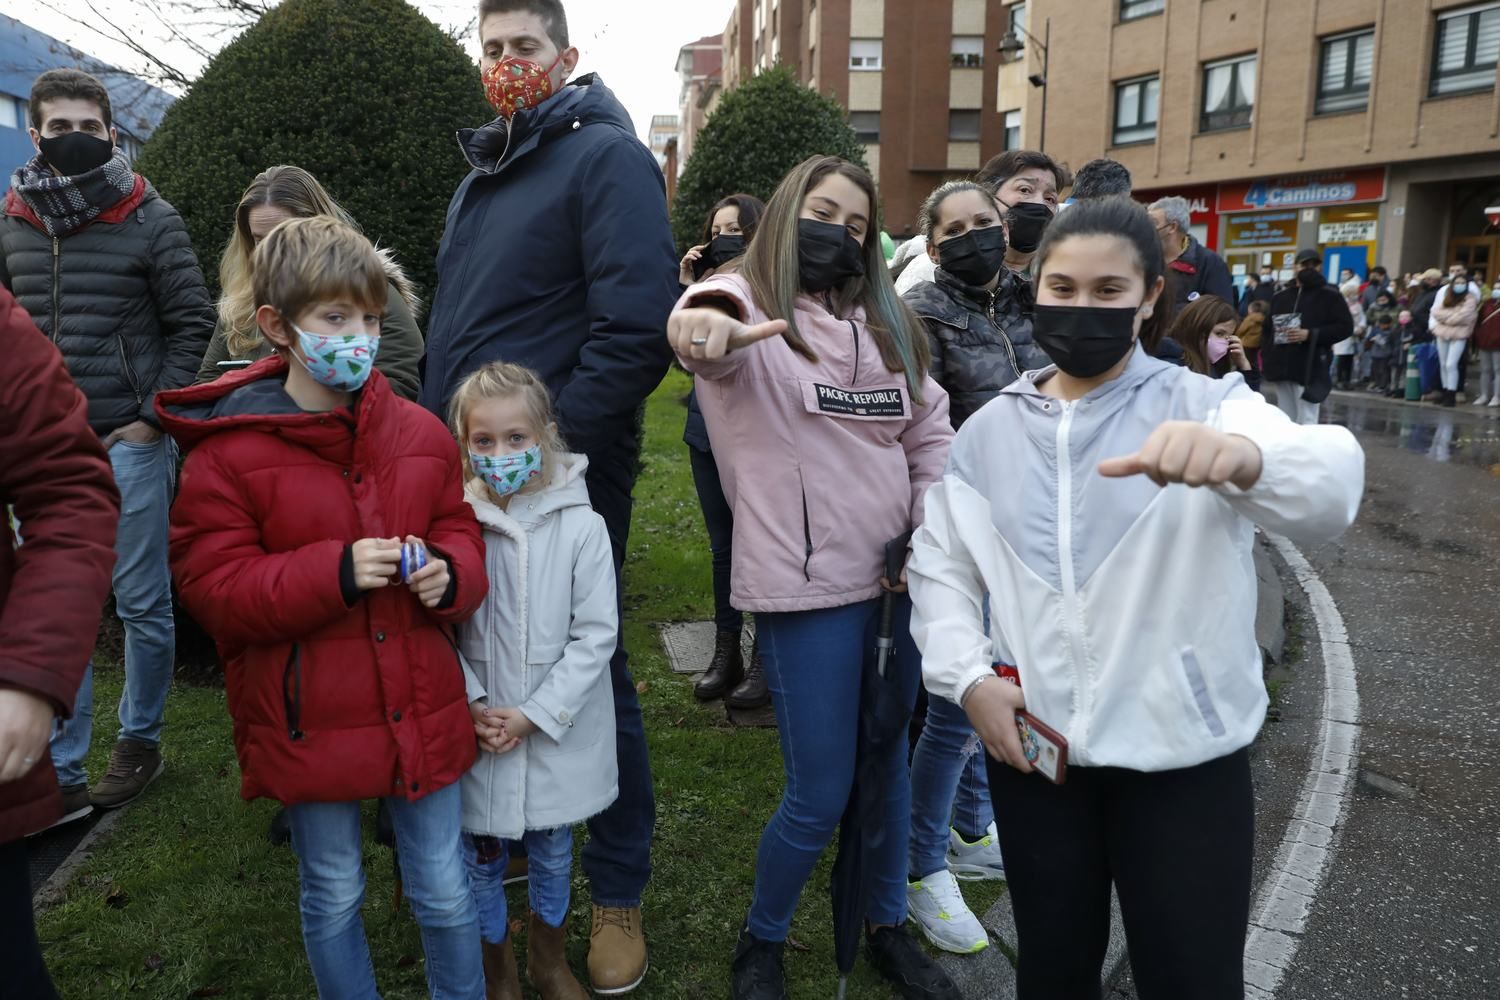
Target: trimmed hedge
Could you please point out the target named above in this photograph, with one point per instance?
(364, 94)
(757, 134)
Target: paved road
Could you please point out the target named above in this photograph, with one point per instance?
(1410, 904)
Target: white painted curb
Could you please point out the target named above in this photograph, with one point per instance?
(1279, 915)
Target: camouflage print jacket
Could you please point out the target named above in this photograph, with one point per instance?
(981, 341)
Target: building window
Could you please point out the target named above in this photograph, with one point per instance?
(1136, 103)
(864, 53)
(1017, 14)
(963, 126)
(1344, 76)
(866, 125)
(968, 51)
(1228, 94)
(13, 112)
(1132, 9)
(1466, 49)
(1012, 121)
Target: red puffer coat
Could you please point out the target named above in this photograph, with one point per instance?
(330, 702)
(54, 473)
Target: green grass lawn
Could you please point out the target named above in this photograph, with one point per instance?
(186, 897)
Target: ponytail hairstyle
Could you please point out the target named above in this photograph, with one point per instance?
(932, 208)
(1125, 219)
(771, 268)
(504, 380)
(1193, 326)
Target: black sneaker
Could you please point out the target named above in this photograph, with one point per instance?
(280, 833)
(758, 971)
(898, 957)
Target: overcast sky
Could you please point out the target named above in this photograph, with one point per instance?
(631, 44)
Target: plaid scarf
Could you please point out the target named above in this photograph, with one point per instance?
(65, 205)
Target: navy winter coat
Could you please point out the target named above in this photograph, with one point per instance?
(558, 255)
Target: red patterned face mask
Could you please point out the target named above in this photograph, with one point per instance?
(514, 84)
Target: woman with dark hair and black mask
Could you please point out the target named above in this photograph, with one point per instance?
(1106, 507)
(726, 233)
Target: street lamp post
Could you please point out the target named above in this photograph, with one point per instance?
(1012, 45)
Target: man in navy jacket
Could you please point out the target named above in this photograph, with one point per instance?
(558, 255)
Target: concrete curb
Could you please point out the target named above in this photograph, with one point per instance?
(1270, 607)
(50, 893)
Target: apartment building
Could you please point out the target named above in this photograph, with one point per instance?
(700, 70)
(1370, 128)
(919, 77)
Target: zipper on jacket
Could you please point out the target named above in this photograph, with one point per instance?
(806, 535)
(1010, 350)
(129, 371)
(291, 693)
(854, 330)
(1082, 696)
(56, 288)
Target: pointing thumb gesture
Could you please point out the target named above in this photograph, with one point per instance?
(747, 335)
(709, 334)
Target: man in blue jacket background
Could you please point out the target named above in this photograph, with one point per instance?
(558, 255)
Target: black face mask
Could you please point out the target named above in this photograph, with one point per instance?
(975, 257)
(76, 152)
(720, 251)
(1084, 341)
(1311, 277)
(827, 255)
(1027, 220)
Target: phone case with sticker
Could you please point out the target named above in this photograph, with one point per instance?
(1044, 747)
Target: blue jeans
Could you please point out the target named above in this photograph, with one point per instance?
(330, 850)
(617, 856)
(145, 475)
(550, 854)
(945, 784)
(813, 662)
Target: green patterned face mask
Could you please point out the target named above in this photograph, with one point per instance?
(339, 361)
(507, 473)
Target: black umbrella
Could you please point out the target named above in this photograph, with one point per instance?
(883, 713)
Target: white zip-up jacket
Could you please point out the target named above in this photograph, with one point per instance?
(1128, 609)
(542, 641)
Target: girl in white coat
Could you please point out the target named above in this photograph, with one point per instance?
(537, 667)
(1107, 506)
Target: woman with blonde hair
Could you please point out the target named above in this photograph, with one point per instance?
(274, 196)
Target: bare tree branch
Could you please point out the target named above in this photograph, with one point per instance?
(158, 68)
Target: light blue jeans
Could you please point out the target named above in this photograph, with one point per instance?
(330, 850)
(145, 475)
(945, 785)
(548, 880)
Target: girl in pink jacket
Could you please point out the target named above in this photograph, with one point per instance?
(812, 376)
(1452, 323)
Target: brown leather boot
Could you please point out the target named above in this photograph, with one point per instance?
(752, 691)
(547, 961)
(725, 670)
(502, 980)
(617, 950)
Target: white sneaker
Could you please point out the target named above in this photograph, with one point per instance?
(1483, 401)
(938, 907)
(976, 862)
(1495, 400)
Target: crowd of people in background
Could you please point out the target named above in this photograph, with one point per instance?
(408, 547)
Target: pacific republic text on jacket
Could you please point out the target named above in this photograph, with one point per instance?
(331, 701)
(1127, 608)
(822, 463)
(541, 642)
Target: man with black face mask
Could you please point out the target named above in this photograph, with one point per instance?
(105, 269)
(1306, 319)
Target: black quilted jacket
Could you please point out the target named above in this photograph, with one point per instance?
(981, 341)
(124, 301)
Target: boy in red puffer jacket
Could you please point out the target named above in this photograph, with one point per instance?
(306, 479)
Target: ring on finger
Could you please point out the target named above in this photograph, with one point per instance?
(699, 341)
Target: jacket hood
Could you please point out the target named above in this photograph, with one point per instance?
(1141, 369)
(585, 101)
(255, 398)
(396, 277)
(565, 488)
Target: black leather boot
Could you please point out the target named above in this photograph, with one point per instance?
(725, 670)
(758, 971)
(752, 692)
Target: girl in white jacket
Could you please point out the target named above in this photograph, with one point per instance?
(1107, 507)
(537, 667)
